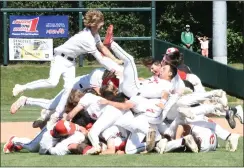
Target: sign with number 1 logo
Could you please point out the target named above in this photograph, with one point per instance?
(39, 26)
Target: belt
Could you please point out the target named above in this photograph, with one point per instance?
(68, 58)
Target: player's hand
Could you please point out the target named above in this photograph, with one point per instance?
(103, 101)
(69, 117)
(83, 130)
(160, 105)
(120, 62)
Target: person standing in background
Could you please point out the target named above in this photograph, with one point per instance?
(204, 41)
(187, 38)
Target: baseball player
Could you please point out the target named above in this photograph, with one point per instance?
(200, 140)
(116, 138)
(86, 41)
(57, 140)
(61, 140)
(92, 80)
(183, 118)
(98, 112)
(16, 144)
(131, 85)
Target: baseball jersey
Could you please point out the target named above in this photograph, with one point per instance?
(144, 105)
(81, 43)
(61, 148)
(155, 88)
(178, 84)
(205, 137)
(91, 105)
(119, 134)
(196, 82)
(94, 79)
(47, 142)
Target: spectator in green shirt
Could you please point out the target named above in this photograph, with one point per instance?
(187, 38)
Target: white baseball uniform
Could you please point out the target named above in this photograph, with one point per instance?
(131, 85)
(196, 82)
(119, 134)
(94, 79)
(28, 144)
(199, 121)
(64, 63)
(61, 148)
(47, 142)
(175, 101)
(206, 137)
(148, 108)
(105, 115)
(178, 86)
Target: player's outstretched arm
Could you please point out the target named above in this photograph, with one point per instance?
(121, 106)
(164, 98)
(75, 111)
(111, 147)
(107, 53)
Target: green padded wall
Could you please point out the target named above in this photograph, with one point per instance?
(212, 74)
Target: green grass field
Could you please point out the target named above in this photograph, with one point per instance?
(221, 157)
(26, 73)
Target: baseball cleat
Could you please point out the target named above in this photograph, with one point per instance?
(150, 139)
(9, 146)
(232, 142)
(161, 145)
(17, 148)
(230, 118)
(17, 89)
(190, 143)
(109, 36)
(239, 113)
(186, 112)
(18, 104)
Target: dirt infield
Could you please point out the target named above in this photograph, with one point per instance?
(24, 129)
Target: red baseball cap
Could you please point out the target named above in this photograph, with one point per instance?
(115, 81)
(63, 128)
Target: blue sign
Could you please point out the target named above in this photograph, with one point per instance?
(39, 26)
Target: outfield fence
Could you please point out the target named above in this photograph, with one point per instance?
(79, 10)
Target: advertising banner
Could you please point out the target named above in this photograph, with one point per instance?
(30, 49)
(39, 26)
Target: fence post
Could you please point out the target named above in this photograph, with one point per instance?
(80, 28)
(5, 36)
(153, 27)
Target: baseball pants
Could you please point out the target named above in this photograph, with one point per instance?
(199, 121)
(108, 117)
(28, 144)
(52, 104)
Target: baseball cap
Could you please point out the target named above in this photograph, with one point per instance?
(63, 128)
(166, 57)
(171, 49)
(115, 81)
